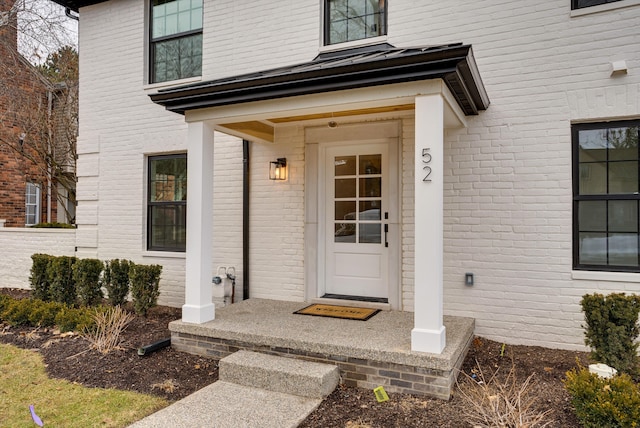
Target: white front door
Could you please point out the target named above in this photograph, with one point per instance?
(357, 219)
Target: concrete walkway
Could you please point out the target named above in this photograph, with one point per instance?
(253, 390)
(227, 405)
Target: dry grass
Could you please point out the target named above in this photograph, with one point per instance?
(167, 386)
(109, 326)
(490, 402)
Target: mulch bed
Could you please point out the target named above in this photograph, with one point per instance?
(174, 375)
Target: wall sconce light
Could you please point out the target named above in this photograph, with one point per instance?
(21, 139)
(278, 169)
(468, 279)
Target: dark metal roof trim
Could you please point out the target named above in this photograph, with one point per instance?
(355, 68)
(75, 5)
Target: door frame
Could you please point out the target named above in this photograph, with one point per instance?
(317, 140)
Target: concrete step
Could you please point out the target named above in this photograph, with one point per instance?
(279, 374)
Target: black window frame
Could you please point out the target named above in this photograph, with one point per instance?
(583, 4)
(151, 204)
(577, 198)
(153, 41)
(327, 25)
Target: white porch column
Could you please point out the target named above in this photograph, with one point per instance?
(198, 307)
(428, 334)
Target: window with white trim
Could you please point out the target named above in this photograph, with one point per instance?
(32, 204)
(176, 39)
(606, 196)
(581, 4)
(167, 203)
(349, 20)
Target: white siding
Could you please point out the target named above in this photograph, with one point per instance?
(507, 176)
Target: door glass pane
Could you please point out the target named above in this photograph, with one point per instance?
(593, 248)
(345, 165)
(592, 216)
(345, 210)
(623, 216)
(345, 188)
(593, 178)
(623, 143)
(623, 249)
(370, 187)
(623, 177)
(370, 164)
(370, 233)
(345, 232)
(370, 210)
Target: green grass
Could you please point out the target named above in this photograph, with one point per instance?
(59, 403)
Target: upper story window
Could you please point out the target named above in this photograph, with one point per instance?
(606, 231)
(580, 4)
(176, 39)
(167, 203)
(349, 20)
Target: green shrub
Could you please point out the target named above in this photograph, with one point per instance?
(17, 311)
(145, 281)
(35, 312)
(612, 329)
(62, 289)
(86, 275)
(53, 225)
(39, 279)
(599, 402)
(116, 280)
(71, 319)
(43, 314)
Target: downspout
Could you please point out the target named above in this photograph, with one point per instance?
(245, 219)
(49, 154)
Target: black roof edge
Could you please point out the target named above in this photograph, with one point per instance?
(75, 5)
(454, 64)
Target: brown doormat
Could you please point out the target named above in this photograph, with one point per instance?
(333, 311)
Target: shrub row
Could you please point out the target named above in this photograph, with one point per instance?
(38, 313)
(72, 281)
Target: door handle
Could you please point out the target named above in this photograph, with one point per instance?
(386, 231)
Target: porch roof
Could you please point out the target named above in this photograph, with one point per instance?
(362, 67)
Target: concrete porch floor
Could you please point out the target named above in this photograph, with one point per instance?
(369, 353)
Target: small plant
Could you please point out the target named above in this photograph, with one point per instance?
(116, 280)
(39, 279)
(145, 281)
(612, 329)
(86, 275)
(598, 402)
(63, 289)
(109, 324)
(502, 403)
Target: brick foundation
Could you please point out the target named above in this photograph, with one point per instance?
(358, 372)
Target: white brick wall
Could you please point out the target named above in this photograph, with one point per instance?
(18, 244)
(507, 176)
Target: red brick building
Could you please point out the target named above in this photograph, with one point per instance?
(28, 190)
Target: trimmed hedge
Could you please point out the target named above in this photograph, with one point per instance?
(145, 280)
(116, 280)
(86, 275)
(612, 329)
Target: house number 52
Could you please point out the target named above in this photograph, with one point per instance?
(426, 160)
